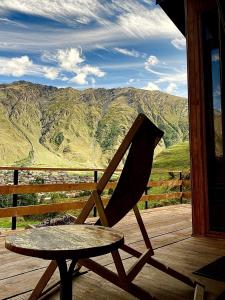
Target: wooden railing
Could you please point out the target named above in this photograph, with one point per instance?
(78, 203)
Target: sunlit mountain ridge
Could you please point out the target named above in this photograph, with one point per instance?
(64, 127)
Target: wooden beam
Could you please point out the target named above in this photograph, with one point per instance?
(83, 186)
(45, 188)
(64, 206)
(40, 209)
(156, 197)
(169, 183)
(197, 120)
(186, 195)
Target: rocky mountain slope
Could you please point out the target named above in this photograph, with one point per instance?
(46, 126)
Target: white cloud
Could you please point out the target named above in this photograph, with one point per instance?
(79, 79)
(179, 43)
(151, 86)
(72, 61)
(178, 77)
(83, 72)
(156, 67)
(6, 21)
(124, 51)
(172, 80)
(4, 45)
(217, 91)
(131, 6)
(69, 59)
(20, 66)
(93, 81)
(50, 72)
(151, 61)
(70, 66)
(114, 23)
(215, 57)
(64, 78)
(148, 23)
(131, 19)
(68, 11)
(90, 70)
(16, 66)
(171, 88)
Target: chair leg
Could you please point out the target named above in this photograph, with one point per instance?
(37, 291)
(112, 277)
(120, 268)
(143, 229)
(136, 268)
(158, 265)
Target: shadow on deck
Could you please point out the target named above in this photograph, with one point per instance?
(170, 231)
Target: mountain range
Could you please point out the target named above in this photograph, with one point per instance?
(64, 127)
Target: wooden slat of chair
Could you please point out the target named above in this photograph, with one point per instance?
(120, 268)
(136, 268)
(36, 293)
(143, 229)
(113, 277)
(100, 208)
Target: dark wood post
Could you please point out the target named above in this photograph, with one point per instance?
(181, 187)
(146, 193)
(15, 196)
(95, 180)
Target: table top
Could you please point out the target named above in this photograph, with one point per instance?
(65, 241)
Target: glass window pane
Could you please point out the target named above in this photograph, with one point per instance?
(217, 112)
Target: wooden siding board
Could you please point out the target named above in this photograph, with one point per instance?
(196, 117)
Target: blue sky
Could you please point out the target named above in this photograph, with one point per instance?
(91, 43)
(216, 79)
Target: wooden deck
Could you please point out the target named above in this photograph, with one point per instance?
(170, 232)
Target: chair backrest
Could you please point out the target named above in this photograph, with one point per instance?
(136, 171)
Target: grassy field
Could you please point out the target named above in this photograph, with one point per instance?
(173, 158)
(7, 222)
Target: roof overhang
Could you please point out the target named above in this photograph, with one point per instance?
(175, 11)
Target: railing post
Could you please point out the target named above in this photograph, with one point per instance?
(146, 193)
(15, 196)
(95, 180)
(181, 187)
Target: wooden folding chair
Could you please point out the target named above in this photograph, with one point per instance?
(141, 141)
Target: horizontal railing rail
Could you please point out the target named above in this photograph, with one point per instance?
(16, 189)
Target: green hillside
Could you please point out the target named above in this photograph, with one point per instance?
(175, 157)
(63, 127)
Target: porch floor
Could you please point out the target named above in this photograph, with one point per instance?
(170, 231)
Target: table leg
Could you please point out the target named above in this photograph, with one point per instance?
(66, 276)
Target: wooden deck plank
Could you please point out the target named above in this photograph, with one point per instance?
(170, 232)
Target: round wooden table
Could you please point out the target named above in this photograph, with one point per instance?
(65, 242)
